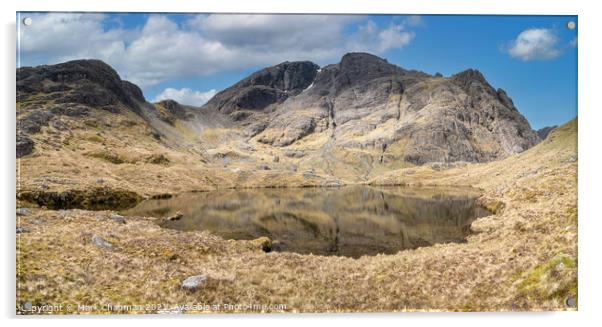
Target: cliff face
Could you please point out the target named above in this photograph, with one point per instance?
(71, 89)
(365, 102)
(266, 87)
(88, 82)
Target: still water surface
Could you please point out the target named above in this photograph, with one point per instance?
(348, 221)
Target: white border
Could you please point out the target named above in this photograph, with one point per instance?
(590, 108)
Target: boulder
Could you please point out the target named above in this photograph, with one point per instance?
(118, 218)
(102, 243)
(22, 211)
(193, 283)
(24, 145)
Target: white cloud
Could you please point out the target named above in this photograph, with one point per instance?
(535, 44)
(394, 37)
(273, 32)
(65, 36)
(202, 45)
(186, 96)
(370, 38)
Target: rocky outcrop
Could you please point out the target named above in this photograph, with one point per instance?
(364, 102)
(544, 132)
(266, 87)
(89, 82)
(69, 89)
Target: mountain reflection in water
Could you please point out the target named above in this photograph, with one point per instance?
(349, 221)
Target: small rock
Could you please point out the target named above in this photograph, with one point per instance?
(64, 213)
(22, 230)
(100, 181)
(560, 267)
(118, 218)
(177, 216)
(22, 211)
(294, 154)
(276, 159)
(571, 301)
(102, 243)
(194, 282)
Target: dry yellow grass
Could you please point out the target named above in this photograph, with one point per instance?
(522, 258)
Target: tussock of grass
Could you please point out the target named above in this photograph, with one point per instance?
(109, 157)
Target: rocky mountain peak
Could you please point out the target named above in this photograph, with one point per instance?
(72, 89)
(358, 67)
(468, 77)
(89, 82)
(265, 87)
(365, 102)
(287, 76)
(358, 62)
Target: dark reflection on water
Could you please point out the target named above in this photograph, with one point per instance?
(349, 221)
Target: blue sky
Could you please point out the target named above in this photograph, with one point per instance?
(189, 57)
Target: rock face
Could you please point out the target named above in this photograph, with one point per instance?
(69, 89)
(543, 132)
(364, 102)
(89, 82)
(268, 86)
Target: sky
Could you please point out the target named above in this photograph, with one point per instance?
(190, 57)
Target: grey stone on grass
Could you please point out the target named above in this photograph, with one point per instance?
(102, 243)
(193, 283)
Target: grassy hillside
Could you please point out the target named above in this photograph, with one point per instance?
(522, 258)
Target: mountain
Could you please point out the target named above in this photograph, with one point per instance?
(60, 97)
(291, 124)
(365, 102)
(68, 89)
(543, 132)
